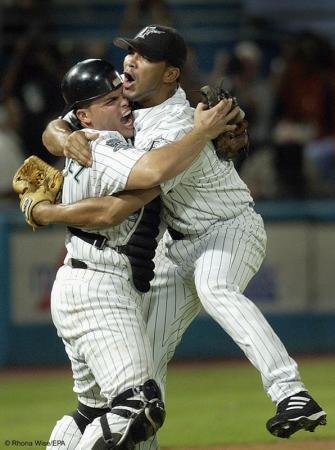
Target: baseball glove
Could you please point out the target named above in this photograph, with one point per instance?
(36, 181)
(229, 144)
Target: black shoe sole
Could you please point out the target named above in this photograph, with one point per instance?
(285, 428)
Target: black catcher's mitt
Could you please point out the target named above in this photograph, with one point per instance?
(229, 144)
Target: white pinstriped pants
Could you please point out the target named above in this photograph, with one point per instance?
(99, 317)
(216, 268)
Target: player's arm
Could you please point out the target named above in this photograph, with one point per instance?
(101, 212)
(61, 140)
(166, 162)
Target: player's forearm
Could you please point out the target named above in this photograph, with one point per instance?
(55, 135)
(130, 201)
(159, 165)
(96, 213)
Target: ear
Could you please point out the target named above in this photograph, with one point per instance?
(171, 74)
(84, 117)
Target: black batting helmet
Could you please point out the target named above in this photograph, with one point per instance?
(87, 80)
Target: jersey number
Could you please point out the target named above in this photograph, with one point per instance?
(75, 171)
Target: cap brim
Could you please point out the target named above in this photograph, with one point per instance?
(124, 43)
(139, 47)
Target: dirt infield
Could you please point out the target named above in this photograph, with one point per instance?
(282, 445)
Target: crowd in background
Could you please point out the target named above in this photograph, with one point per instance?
(289, 99)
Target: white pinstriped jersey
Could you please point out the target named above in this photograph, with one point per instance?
(209, 190)
(113, 160)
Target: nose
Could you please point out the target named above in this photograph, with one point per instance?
(124, 102)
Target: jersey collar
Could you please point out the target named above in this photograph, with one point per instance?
(144, 116)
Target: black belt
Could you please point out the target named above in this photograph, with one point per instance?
(97, 240)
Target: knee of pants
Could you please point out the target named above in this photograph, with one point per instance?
(214, 287)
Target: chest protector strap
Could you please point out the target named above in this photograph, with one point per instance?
(142, 245)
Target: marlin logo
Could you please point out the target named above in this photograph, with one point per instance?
(147, 31)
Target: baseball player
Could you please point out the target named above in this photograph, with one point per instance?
(96, 300)
(215, 241)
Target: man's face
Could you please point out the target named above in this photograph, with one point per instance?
(110, 112)
(143, 79)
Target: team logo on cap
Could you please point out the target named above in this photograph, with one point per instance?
(147, 31)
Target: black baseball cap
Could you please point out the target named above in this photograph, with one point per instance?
(159, 43)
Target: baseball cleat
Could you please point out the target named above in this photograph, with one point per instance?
(297, 412)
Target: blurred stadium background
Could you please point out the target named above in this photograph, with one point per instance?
(278, 58)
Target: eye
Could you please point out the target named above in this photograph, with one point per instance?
(111, 100)
(147, 59)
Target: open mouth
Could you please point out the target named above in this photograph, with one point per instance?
(128, 80)
(127, 119)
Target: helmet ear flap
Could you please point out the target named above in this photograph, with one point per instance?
(87, 80)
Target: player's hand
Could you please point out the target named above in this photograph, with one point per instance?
(77, 147)
(216, 120)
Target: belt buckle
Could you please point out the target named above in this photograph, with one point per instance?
(102, 244)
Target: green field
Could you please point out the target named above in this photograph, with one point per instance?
(207, 404)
